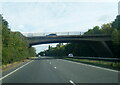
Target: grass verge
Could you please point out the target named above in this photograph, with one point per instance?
(106, 64)
(14, 64)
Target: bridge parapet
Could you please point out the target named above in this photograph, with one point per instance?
(49, 33)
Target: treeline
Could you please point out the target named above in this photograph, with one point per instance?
(83, 48)
(14, 45)
(112, 29)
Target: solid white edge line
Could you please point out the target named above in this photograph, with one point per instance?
(72, 82)
(94, 66)
(15, 70)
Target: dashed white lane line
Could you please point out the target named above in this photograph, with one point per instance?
(15, 70)
(93, 66)
(50, 62)
(72, 82)
(55, 67)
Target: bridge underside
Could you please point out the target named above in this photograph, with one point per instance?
(101, 49)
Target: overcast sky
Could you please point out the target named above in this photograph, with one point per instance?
(57, 16)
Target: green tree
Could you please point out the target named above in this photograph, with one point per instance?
(116, 37)
(106, 29)
(15, 46)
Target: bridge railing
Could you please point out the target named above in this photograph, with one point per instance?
(48, 33)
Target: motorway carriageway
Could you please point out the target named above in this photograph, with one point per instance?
(50, 70)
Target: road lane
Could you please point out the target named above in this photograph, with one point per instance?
(48, 70)
(10, 73)
(39, 71)
(85, 74)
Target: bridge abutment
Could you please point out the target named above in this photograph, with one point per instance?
(101, 49)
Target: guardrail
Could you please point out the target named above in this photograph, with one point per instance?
(97, 58)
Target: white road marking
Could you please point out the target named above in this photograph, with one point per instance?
(93, 66)
(50, 62)
(15, 70)
(55, 67)
(72, 82)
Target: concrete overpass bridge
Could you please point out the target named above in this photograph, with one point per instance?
(97, 42)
